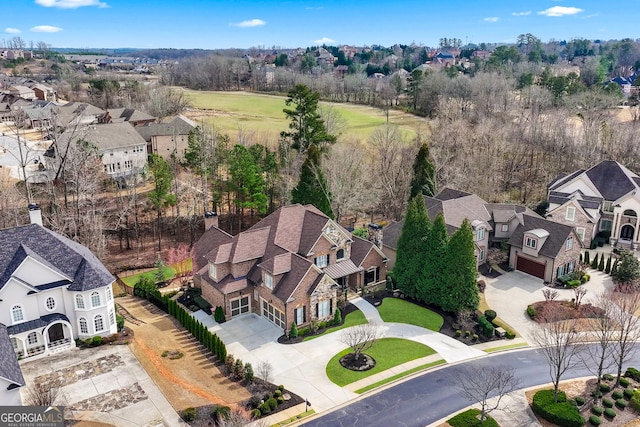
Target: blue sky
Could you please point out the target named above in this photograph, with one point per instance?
(212, 24)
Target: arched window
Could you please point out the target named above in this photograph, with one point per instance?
(50, 303)
(79, 301)
(630, 212)
(95, 299)
(84, 329)
(98, 323)
(16, 314)
(340, 254)
(32, 338)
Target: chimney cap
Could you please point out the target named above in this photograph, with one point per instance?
(33, 207)
(210, 214)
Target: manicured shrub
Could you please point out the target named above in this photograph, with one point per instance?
(579, 400)
(628, 393)
(188, 414)
(587, 259)
(571, 284)
(490, 315)
(280, 400)
(337, 317)
(238, 369)
(277, 393)
(597, 410)
(220, 413)
(458, 333)
(595, 420)
(605, 388)
(531, 312)
(248, 373)
(608, 377)
(264, 408)
(561, 413)
(621, 403)
(96, 341)
(474, 338)
(467, 334)
(632, 373)
(120, 322)
(486, 327)
(624, 382)
(281, 387)
(509, 335)
(635, 400)
(601, 264)
(617, 394)
(469, 418)
(229, 362)
(607, 268)
(218, 314)
(594, 263)
(256, 413)
(610, 413)
(585, 278)
(482, 285)
(273, 403)
(608, 403)
(293, 332)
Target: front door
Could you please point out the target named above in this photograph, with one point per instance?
(56, 333)
(626, 232)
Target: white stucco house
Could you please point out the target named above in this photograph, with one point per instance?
(52, 291)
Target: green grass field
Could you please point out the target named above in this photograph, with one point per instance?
(388, 352)
(401, 311)
(262, 115)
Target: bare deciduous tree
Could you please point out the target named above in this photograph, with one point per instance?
(627, 306)
(360, 338)
(579, 293)
(557, 338)
(41, 394)
(264, 370)
(481, 385)
(549, 294)
(239, 418)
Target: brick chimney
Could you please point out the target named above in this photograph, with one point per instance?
(375, 234)
(210, 220)
(34, 213)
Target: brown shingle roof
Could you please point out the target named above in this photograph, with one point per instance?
(211, 239)
(250, 244)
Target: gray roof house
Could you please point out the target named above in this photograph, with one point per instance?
(52, 291)
(169, 137)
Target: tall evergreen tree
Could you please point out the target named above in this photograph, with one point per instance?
(429, 286)
(409, 266)
(312, 186)
(247, 182)
(424, 174)
(160, 196)
(306, 127)
(459, 288)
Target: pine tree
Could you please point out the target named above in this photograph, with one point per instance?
(459, 288)
(601, 263)
(424, 174)
(607, 269)
(412, 247)
(429, 285)
(586, 258)
(312, 187)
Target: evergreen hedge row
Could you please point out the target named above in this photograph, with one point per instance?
(561, 413)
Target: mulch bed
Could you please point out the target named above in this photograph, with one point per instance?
(564, 310)
(348, 308)
(484, 270)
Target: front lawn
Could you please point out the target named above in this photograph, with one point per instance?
(352, 319)
(400, 311)
(170, 272)
(469, 418)
(387, 352)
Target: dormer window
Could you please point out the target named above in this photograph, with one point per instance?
(322, 261)
(571, 213)
(268, 280)
(607, 206)
(505, 228)
(340, 254)
(480, 234)
(213, 273)
(530, 242)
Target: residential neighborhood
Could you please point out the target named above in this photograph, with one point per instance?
(424, 234)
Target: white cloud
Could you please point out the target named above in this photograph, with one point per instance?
(10, 30)
(528, 12)
(324, 40)
(45, 29)
(560, 11)
(250, 23)
(71, 4)
(492, 19)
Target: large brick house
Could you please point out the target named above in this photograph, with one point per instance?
(604, 199)
(290, 267)
(542, 248)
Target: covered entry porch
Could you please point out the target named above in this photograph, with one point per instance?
(46, 335)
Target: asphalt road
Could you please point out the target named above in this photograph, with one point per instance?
(433, 395)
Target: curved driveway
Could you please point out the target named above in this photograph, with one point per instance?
(433, 396)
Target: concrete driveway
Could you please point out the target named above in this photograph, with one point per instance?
(511, 293)
(301, 367)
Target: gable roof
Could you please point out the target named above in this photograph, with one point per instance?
(128, 115)
(212, 238)
(558, 234)
(104, 136)
(67, 257)
(9, 368)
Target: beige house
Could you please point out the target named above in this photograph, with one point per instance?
(167, 138)
(290, 267)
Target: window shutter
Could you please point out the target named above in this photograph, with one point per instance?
(304, 314)
(331, 306)
(317, 312)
